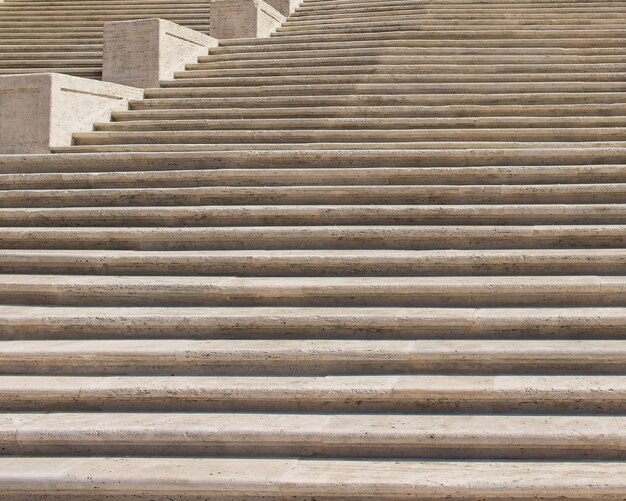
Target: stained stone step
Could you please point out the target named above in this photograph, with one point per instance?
(271, 215)
(365, 138)
(174, 479)
(464, 123)
(437, 91)
(537, 36)
(101, 322)
(318, 237)
(505, 158)
(90, 290)
(233, 46)
(370, 99)
(600, 395)
(486, 149)
(398, 75)
(149, 178)
(308, 19)
(316, 195)
(207, 62)
(473, 30)
(430, 113)
(308, 435)
(326, 263)
(227, 54)
(33, 64)
(309, 358)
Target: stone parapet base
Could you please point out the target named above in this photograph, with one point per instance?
(42, 110)
(141, 53)
(244, 19)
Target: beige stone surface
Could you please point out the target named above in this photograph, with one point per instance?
(41, 111)
(285, 7)
(144, 52)
(376, 254)
(243, 19)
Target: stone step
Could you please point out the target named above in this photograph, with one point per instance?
(437, 91)
(101, 322)
(511, 155)
(492, 291)
(470, 60)
(318, 237)
(572, 394)
(313, 263)
(87, 21)
(146, 177)
(247, 357)
(173, 479)
(591, 149)
(233, 46)
(355, 98)
(42, 64)
(444, 124)
(88, 72)
(320, 195)
(431, 113)
(584, 38)
(303, 215)
(443, 137)
(442, 26)
(35, 56)
(43, 49)
(469, 17)
(398, 75)
(308, 435)
(272, 53)
(382, 63)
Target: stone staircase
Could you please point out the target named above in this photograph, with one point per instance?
(65, 36)
(380, 255)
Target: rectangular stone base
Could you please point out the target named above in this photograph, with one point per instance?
(143, 52)
(42, 110)
(243, 19)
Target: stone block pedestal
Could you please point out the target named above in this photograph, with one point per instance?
(42, 110)
(243, 19)
(141, 53)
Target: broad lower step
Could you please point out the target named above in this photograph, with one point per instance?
(547, 194)
(352, 394)
(313, 435)
(101, 322)
(147, 176)
(91, 290)
(322, 263)
(179, 479)
(185, 357)
(317, 237)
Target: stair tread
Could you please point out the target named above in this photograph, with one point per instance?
(237, 478)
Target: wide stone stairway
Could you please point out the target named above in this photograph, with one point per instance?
(380, 255)
(65, 36)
